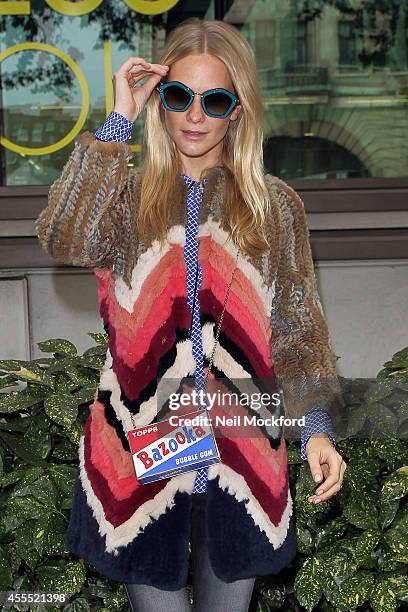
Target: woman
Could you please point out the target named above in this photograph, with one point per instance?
(167, 242)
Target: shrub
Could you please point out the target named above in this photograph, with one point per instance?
(352, 549)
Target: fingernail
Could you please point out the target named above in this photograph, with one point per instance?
(317, 477)
(319, 491)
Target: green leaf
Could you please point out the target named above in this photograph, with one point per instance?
(384, 597)
(14, 556)
(30, 372)
(62, 408)
(386, 560)
(384, 419)
(15, 423)
(329, 532)
(42, 489)
(64, 477)
(24, 544)
(21, 447)
(8, 381)
(100, 588)
(13, 476)
(65, 451)
(360, 548)
(361, 511)
(100, 338)
(58, 345)
(49, 536)
(357, 418)
(339, 568)
(74, 432)
(16, 401)
(62, 576)
(309, 582)
(5, 572)
(25, 475)
(10, 521)
(95, 362)
(362, 468)
(354, 591)
(379, 391)
(25, 508)
(390, 450)
(388, 510)
(304, 539)
(79, 604)
(274, 596)
(397, 537)
(396, 485)
(85, 395)
(399, 360)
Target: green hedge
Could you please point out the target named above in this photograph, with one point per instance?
(352, 549)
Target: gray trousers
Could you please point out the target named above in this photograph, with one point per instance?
(210, 594)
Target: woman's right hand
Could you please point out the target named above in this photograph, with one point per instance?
(129, 100)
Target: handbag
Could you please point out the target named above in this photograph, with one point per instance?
(164, 449)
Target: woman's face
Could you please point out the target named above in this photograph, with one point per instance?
(199, 72)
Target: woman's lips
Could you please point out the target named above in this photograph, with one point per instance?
(193, 135)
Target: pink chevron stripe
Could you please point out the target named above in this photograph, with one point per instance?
(237, 335)
(239, 312)
(153, 306)
(273, 506)
(267, 464)
(134, 380)
(219, 260)
(109, 457)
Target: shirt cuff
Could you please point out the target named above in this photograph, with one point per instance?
(316, 420)
(116, 127)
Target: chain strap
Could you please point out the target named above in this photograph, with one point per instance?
(220, 323)
(217, 333)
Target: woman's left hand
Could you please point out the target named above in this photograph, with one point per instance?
(324, 461)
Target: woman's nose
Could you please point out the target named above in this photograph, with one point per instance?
(196, 109)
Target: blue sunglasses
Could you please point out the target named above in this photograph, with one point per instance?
(176, 96)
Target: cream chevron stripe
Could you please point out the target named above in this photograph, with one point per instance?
(145, 265)
(214, 229)
(222, 359)
(184, 365)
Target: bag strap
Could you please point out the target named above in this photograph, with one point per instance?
(220, 323)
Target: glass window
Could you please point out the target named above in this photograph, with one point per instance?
(56, 73)
(334, 81)
(335, 87)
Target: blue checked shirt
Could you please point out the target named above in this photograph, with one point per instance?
(118, 128)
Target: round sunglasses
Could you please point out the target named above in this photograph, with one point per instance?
(176, 96)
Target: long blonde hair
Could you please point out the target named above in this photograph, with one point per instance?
(246, 197)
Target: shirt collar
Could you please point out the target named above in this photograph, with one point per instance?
(187, 179)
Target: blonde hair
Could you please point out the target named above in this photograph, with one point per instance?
(246, 197)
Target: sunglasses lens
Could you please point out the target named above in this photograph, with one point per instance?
(217, 103)
(176, 97)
